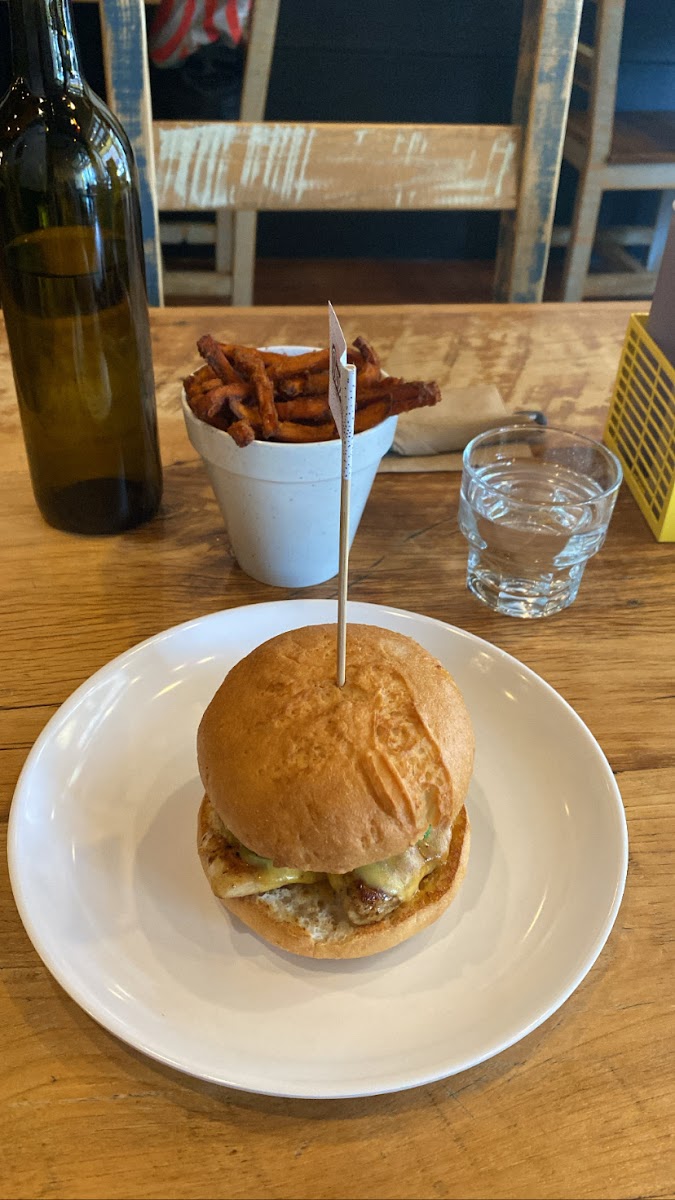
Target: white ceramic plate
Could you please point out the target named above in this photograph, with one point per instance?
(109, 886)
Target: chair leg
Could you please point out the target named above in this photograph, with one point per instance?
(548, 45)
(582, 235)
(243, 266)
(661, 228)
(224, 234)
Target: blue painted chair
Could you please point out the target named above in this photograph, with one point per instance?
(257, 166)
(232, 234)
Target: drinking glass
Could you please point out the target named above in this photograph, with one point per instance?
(535, 504)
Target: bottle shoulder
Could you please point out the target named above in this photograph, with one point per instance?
(76, 125)
(103, 114)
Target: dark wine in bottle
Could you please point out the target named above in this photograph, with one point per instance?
(72, 286)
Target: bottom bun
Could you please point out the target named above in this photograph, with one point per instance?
(308, 918)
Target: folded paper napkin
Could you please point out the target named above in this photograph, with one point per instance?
(432, 439)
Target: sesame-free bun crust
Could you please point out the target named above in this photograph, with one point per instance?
(327, 779)
(308, 919)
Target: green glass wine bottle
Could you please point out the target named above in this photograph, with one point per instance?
(72, 286)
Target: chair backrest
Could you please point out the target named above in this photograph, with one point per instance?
(232, 234)
(188, 165)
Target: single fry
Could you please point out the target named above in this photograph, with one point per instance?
(203, 374)
(216, 401)
(403, 396)
(295, 431)
(373, 414)
(368, 374)
(304, 408)
(251, 365)
(309, 383)
(245, 412)
(191, 386)
(203, 409)
(305, 384)
(196, 397)
(213, 383)
(406, 396)
(366, 351)
(233, 391)
(242, 433)
(315, 360)
(210, 350)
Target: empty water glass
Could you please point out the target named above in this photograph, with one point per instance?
(535, 504)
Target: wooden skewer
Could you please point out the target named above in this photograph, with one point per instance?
(343, 582)
(342, 398)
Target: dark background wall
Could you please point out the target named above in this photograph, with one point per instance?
(350, 60)
(436, 60)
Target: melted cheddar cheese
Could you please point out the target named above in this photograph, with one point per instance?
(399, 876)
(267, 876)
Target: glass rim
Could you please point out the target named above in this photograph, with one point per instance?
(542, 430)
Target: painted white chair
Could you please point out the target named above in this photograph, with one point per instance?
(257, 166)
(233, 234)
(614, 152)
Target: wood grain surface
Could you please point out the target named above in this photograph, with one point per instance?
(584, 1106)
(270, 165)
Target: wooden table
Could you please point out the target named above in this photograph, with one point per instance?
(584, 1106)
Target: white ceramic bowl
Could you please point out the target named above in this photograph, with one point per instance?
(281, 501)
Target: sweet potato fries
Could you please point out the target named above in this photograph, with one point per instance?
(284, 398)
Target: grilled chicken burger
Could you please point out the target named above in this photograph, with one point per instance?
(333, 822)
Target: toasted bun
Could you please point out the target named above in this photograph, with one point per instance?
(327, 779)
(308, 919)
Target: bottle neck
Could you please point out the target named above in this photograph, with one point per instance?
(44, 51)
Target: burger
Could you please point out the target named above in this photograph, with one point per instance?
(334, 822)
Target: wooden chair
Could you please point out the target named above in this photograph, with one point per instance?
(232, 233)
(258, 166)
(614, 152)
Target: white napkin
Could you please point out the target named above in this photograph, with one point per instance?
(432, 439)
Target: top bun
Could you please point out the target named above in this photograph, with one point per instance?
(324, 778)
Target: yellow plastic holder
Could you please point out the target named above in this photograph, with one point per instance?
(640, 427)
